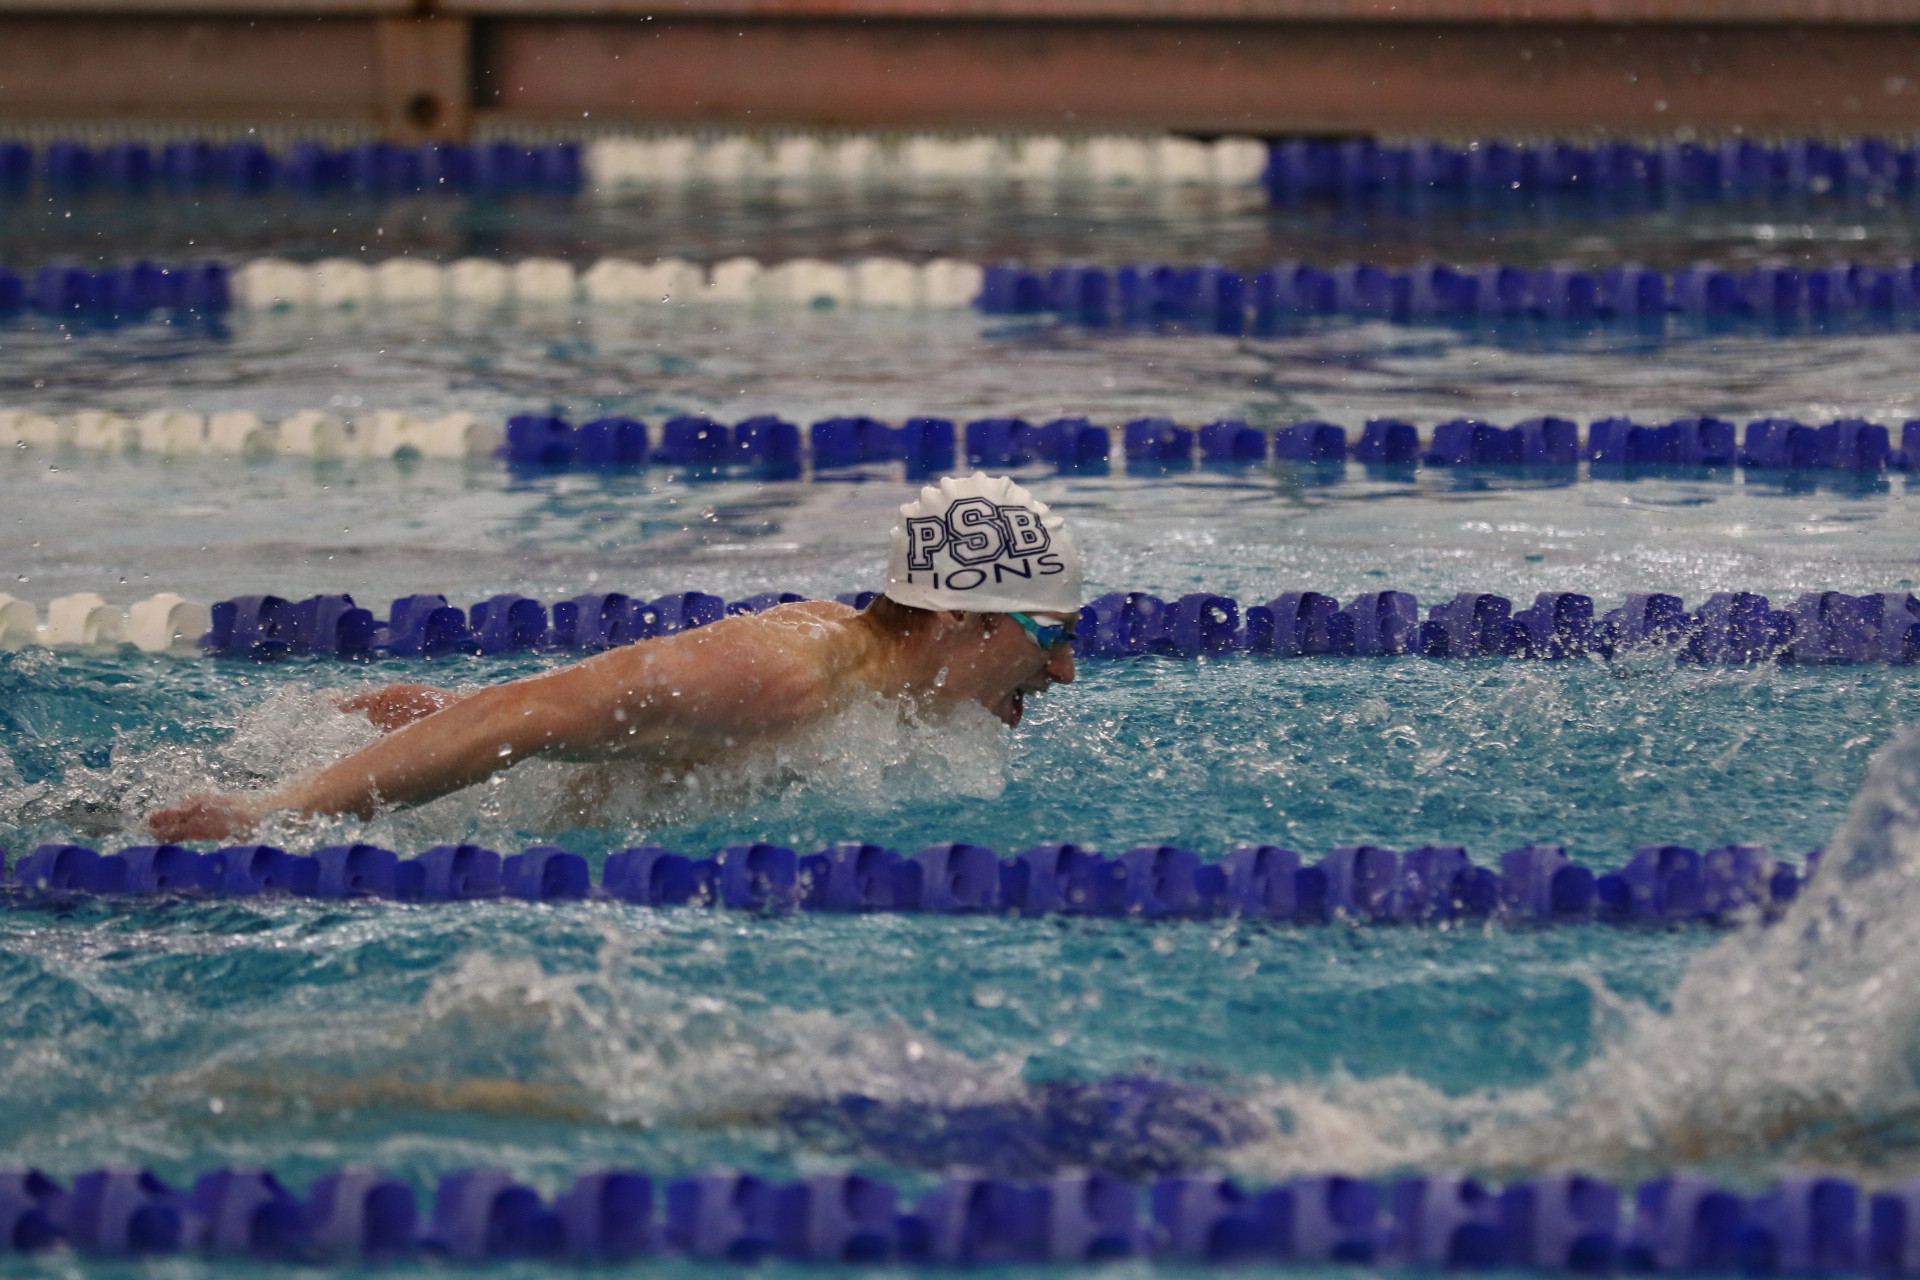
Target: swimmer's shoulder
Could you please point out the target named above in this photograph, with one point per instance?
(808, 642)
(797, 641)
(818, 631)
(801, 611)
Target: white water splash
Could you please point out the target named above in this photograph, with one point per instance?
(1795, 1042)
(292, 731)
(501, 1034)
(866, 758)
(1787, 1045)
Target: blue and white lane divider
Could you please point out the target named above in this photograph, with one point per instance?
(1216, 298)
(1208, 297)
(929, 445)
(1809, 1224)
(776, 448)
(132, 290)
(1293, 170)
(135, 290)
(247, 166)
(1625, 174)
(1819, 628)
(612, 163)
(1536, 884)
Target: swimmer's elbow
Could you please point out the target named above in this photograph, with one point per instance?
(539, 725)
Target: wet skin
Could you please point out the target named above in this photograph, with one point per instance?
(695, 697)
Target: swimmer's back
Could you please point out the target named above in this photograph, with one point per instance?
(725, 685)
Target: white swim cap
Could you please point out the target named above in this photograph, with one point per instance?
(982, 545)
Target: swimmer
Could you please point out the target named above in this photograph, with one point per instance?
(983, 590)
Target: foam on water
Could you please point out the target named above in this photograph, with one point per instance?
(600, 1050)
(865, 758)
(1800, 1042)
(1780, 1047)
(252, 745)
(605, 1046)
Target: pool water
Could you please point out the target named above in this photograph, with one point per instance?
(554, 1037)
(1206, 754)
(979, 220)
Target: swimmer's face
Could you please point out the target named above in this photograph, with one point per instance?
(1001, 664)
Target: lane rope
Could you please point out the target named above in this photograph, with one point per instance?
(1806, 1224)
(1819, 628)
(1430, 885)
(1548, 447)
(1207, 297)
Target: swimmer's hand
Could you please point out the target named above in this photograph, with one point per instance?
(397, 705)
(206, 816)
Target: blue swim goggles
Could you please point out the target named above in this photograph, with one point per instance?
(1045, 634)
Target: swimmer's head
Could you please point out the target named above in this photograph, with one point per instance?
(970, 552)
(982, 544)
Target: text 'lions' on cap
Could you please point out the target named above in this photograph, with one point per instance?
(983, 545)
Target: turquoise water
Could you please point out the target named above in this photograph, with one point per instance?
(1400, 752)
(550, 1038)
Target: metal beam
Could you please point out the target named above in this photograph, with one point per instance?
(193, 67)
(1392, 12)
(1451, 67)
(1263, 78)
(1388, 12)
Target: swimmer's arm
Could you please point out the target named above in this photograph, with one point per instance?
(705, 689)
(456, 746)
(698, 693)
(216, 817)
